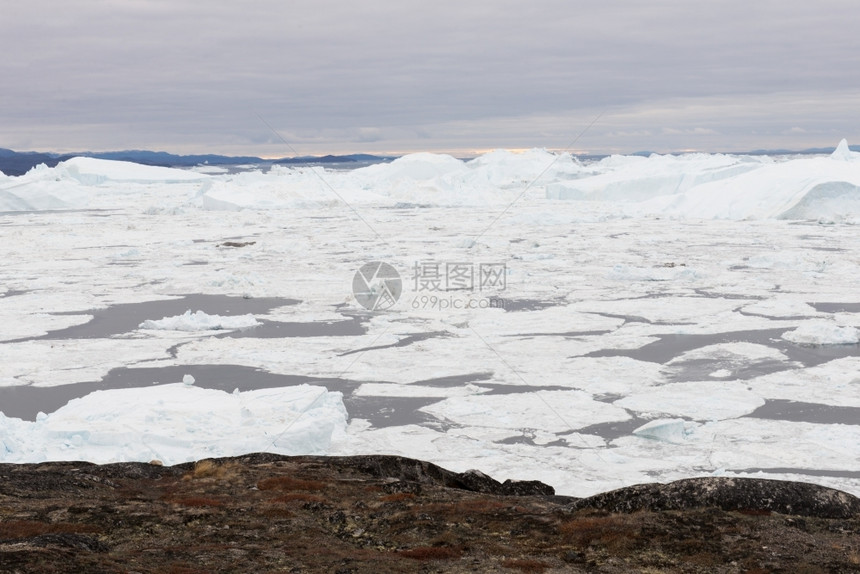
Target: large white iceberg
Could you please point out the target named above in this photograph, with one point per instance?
(823, 333)
(710, 186)
(178, 423)
(72, 184)
(92, 171)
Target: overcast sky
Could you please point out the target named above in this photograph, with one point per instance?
(334, 76)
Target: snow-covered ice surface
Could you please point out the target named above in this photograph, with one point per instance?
(659, 318)
(200, 321)
(823, 333)
(177, 423)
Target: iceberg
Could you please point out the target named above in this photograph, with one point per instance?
(666, 430)
(823, 333)
(92, 171)
(843, 152)
(200, 321)
(668, 287)
(177, 423)
(698, 185)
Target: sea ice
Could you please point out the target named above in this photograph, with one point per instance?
(666, 430)
(552, 411)
(177, 423)
(92, 171)
(781, 307)
(691, 185)
(653, 274)
(200, 321)
(697, 400)
(823, 333)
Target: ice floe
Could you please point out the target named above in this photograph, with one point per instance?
(660, 309)
(823, 333)
(714, 186)
(200, 321)
(177, 423)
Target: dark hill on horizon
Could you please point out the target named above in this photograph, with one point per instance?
(18, 163)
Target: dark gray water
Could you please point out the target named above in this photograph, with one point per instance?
(12, 293)
(384, 412)
(126, 317)
(515, 305)
(351, 327)
(527, 439)
(671, 346)
(615, 429)
(795, 411)
(502, 389)
(836, 307)
(626, 318)
(565, 334)
(455, 380)
(26, 401)
(405, 341)
(718, 295)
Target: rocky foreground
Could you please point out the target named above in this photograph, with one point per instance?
(270, 513)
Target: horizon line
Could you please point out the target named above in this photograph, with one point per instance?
(458, 153)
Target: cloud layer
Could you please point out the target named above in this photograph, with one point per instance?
(337, 76)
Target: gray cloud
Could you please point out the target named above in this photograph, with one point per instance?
(382, 76)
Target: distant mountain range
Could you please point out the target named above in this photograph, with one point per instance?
(18, 163)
